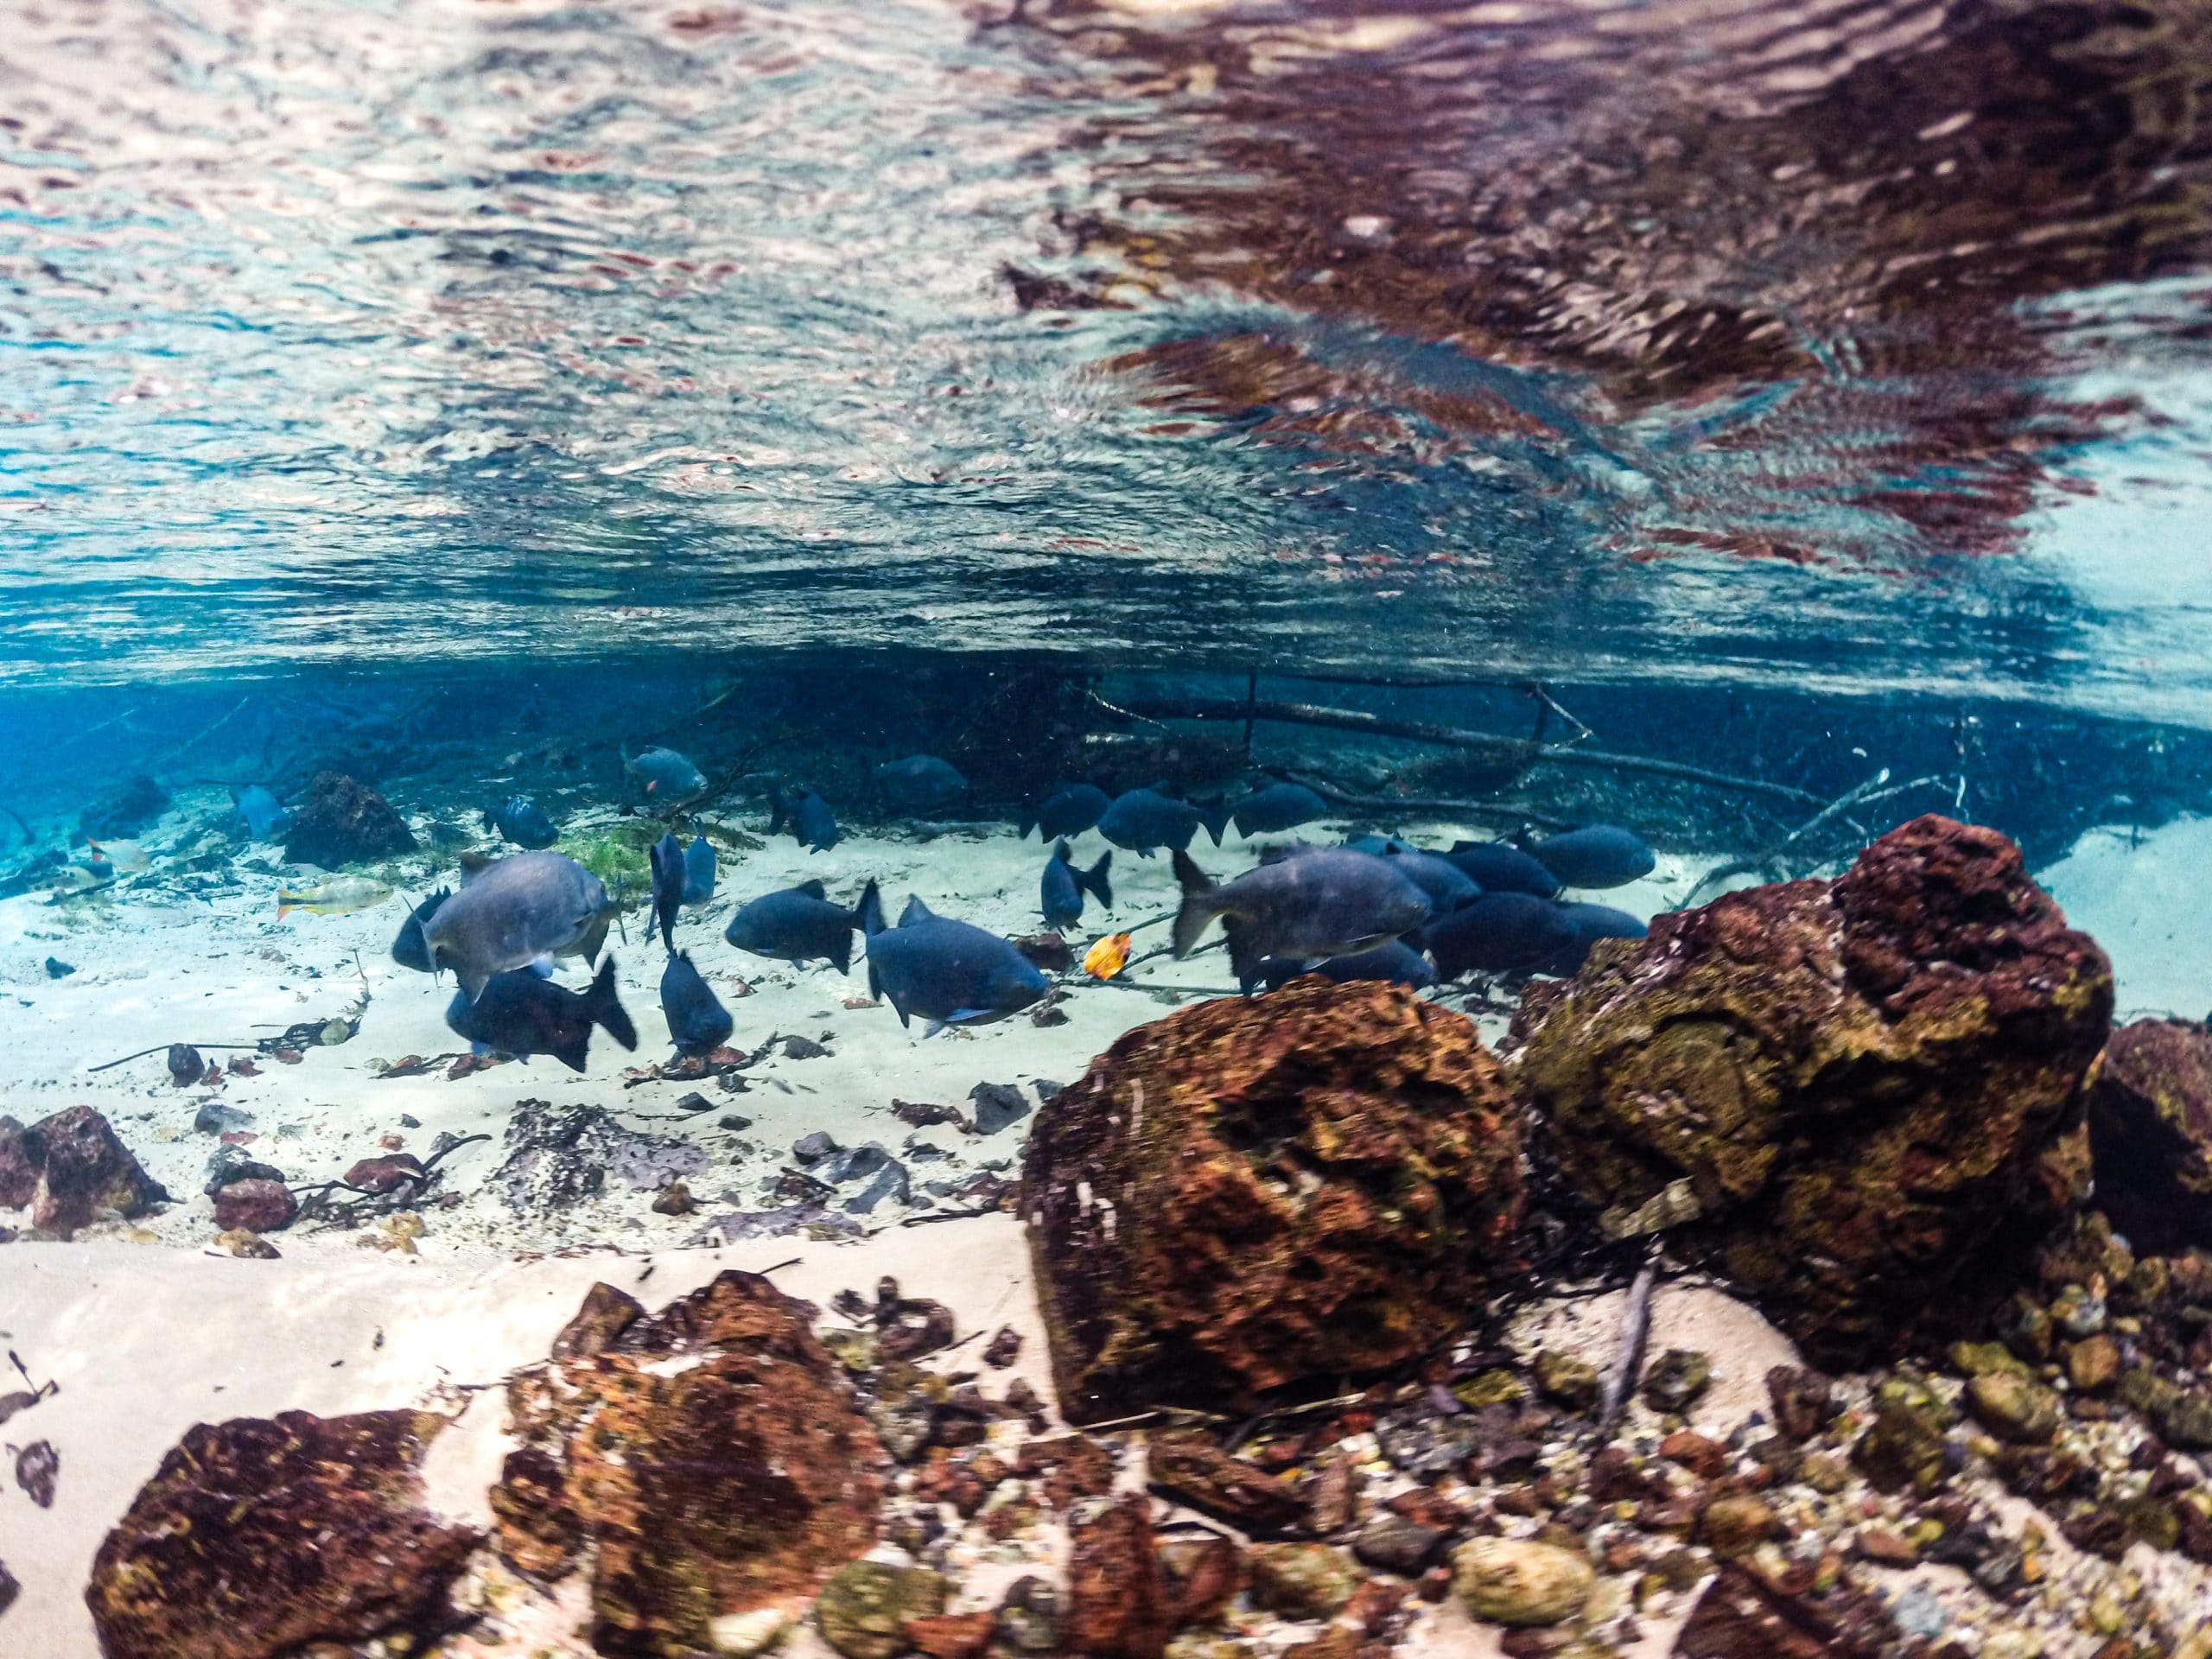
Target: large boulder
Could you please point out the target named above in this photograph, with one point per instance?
(338, 822)
(2151, 1134)
(256, 1537)
(1249, 1193)
(712, 1452)
(1872, 1086)
(73, 1170)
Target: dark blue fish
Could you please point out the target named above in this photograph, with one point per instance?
(1068, 810)
(1144, 821)
(1397, 962)
(698, 871)
(697, 1022)
(799, 924)
(262, 812)
(1061, 890)
(1497, 868)
(522, 820)
(1499, 933)
(1276, 808)
(808, 816)
(410, 948)
(520, 1013)
(1591, 922)
(1597, 855)
(668, 779)
(1379, 845)
(948, 972)
(1448, 886)
(921, 782)
(667, 860)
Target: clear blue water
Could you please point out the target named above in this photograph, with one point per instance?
(1852, 347)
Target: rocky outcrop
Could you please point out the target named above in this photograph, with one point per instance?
(1319, 1182)
(1872, 1086)
(257, 1537)
(2150, 1134)
(339, 821)
(734, 1479)
(71, 1170)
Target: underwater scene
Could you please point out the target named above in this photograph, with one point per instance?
(1217, 828)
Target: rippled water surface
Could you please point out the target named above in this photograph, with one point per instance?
(1856, 343)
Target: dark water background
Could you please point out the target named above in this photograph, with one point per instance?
(1811, 387)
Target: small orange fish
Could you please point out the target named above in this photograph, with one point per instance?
(1107, 958)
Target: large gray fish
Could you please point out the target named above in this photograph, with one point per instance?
(948, 972)
(1322, 901)
(1597, 855)
(1068, 810)
(668, 779)
(799, 924)
(521, 1014)
(921, 782)
(1276, 808)
(1144, 820)
(697, 1021)
(410, 948)
(1498, 867)
(1448, 886)
(1591, 922)
(1499, 933)
(512, 912)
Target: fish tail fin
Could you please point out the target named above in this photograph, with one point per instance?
(286, 903)
(1028, 823)
(605, 1009)
(780, 808)
(868, 915)
(1096, 879)
(1214, 815)
(843, 956)
(1198, 907)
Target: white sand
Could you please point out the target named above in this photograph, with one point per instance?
(2144, 897)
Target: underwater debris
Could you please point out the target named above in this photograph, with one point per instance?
(557, 1157)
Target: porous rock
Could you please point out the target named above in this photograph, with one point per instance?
(1741, 1616)
(1120, 1605)
(75, 1170)
(2150, 1134)
(1187, 1464)
(712, 1452)
(339, 821)
(257, 1206)
(257, 1536)
(866, 1607)
(1315, 1182)
(1521, 1582)
(1872, 1084)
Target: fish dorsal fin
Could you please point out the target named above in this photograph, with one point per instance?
(1158, 786)
(812, 888)
(916, 911)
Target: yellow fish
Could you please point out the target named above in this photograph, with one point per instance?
(127, 857)
(1107, 958)
(339, 896)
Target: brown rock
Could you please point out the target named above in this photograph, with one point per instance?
(1206, 1573)
(1119, 1602)
(741, 1479)
(1872, 1084)
(18, 1168)
(951, 1635)
(1301, 1580)
(1736, 1523)
(1805, 1400)
(538, 1532)
(83, 1171)
(338, 822)
(1740, 1618)
(259, 1206)
(1702, 1457)
(2093, 1364)
(2150, 1134)
(1880, 1544)
(258, 1536)
(1333, 1497)
(386, 1175)
(1186, 1465)
(1073, 1466)
(1251, 1191)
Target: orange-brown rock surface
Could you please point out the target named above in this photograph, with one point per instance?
(740, 1476)
(1872, 1085)
(1318, 1182)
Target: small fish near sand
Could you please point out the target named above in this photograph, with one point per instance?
(124, 857)
(410, 948)
(521, 1014)
(1278, 807)
(921, 782)
(666, 857)
(1060, 893)
(1144, 820)
(809, 818)
(697, 1022)
(523, 822)
(949, 972)
(341, 895)
(668, 780)
(514, 911)
(698, 871)
(1596, 856)
(799, 924)
(1497, 868)
(1321, 902)
(1499, 933)
(262, 812)
(1067, 811)
(1397, 962)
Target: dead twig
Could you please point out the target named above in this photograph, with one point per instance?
(163, 1048)
(1628, 1357)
